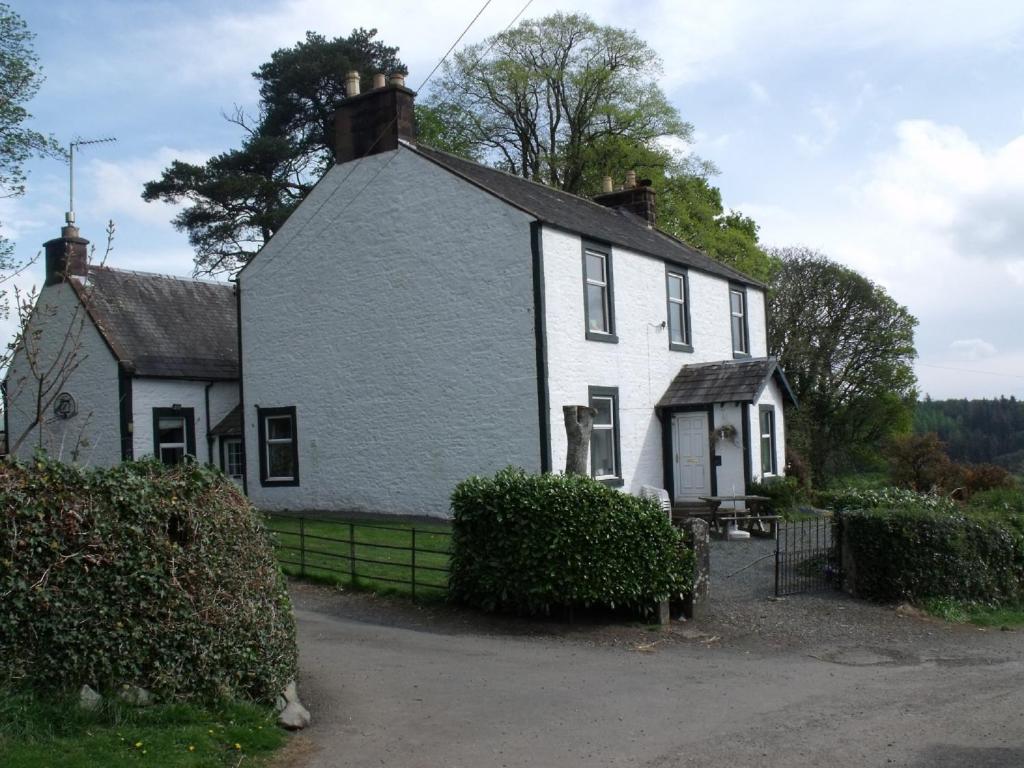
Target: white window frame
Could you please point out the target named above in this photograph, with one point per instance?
(229, 443)
(605, 293)
(744, 346)
(770, 437)
(683, 310)
(269, 441)
(611, 395)
(184, 437)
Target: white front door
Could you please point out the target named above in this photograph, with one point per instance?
(690, 448)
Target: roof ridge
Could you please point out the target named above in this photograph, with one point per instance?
(161, 275)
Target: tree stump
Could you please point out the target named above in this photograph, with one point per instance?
(579, 423)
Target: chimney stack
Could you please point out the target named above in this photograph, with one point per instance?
(66, 256)
(637, 197)
(373, 122)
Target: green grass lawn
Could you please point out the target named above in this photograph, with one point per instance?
(59, 734)
(323, 550)
(1008, 616)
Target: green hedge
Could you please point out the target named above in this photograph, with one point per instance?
(917, 553)
(534, 543)
(141, 575)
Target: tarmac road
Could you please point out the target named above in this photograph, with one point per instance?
(435, 691)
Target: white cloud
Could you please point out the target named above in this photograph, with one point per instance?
(826, 128)
(973, 349)
(758, 92)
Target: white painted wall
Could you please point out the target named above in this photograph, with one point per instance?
(772, 395)
(149, 393)
(93, 436)
(641, 364)
(394, 311)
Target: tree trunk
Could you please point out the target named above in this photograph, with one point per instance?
(579, 422)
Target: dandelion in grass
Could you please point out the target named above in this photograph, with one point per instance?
(237, 745)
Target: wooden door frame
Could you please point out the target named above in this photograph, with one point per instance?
(666, 416)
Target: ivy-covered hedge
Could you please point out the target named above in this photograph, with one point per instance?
(534, 543)
(915, 553)
(140, 575)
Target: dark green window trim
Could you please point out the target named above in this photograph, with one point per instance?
(262, 414)
(613, 393)
(738, 352)
(189, 415)
(687, 344)
(606, 251)
(761, 411)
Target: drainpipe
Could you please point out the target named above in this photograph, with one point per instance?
(209, 437)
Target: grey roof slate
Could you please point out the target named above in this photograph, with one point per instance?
(578, 214)
(730, 381)
(230, 425)
(165, 326)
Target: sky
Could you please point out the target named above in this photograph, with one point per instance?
(889, 135)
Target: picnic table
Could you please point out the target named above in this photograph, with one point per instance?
(752, 513)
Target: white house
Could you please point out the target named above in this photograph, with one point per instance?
(418, 319)
(117, 365)
(421, 318)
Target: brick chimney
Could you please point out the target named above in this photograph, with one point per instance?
(373, 122)
(634, 196)
(66, 256)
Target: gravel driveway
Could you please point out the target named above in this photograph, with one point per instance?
(804, 681)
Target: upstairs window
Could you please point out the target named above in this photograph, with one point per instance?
(174, 434)
(738, 310)
(604, 439)
(279, 446)
(769, 464)
(678, 292)
(597, 293)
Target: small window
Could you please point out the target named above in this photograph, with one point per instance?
(598, 301)
(738, 310)
(233, 460)
(604, 439)
(769, 465)
(279, 446)
(174, 435)
(678, 292)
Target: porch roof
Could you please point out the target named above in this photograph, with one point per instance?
(230, 425)
(728, 381)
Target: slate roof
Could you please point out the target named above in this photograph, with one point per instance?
(731, 381)
(165, 326)
(578, 214)
(230, 425)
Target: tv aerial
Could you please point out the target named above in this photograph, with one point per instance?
(69, 217)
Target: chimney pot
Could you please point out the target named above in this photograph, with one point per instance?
(606, 184)
(397, 78)
(352, 84)
(630, 179)
(379, 81)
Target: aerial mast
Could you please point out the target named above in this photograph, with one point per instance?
(69, 217)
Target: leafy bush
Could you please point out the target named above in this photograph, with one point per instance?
(918, 554)
(900, 499)
(1001, 502)
(142, 575)
(533, 543)
(786, 493)
(917, 462)
(977, 478)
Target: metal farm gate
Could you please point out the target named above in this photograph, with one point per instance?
(807, 557)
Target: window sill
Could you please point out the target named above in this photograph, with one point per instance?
(740, 355)
(608, 338)
(276, 483)
(677, 347)
(613, 482)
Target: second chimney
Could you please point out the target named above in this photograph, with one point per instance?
(637, 197)
(67, 256)
(373, 122)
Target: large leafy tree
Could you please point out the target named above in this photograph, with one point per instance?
(847, 348)
(238, 199)
(558, 99)
(565, 102)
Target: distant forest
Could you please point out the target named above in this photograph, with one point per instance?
(977, 431)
